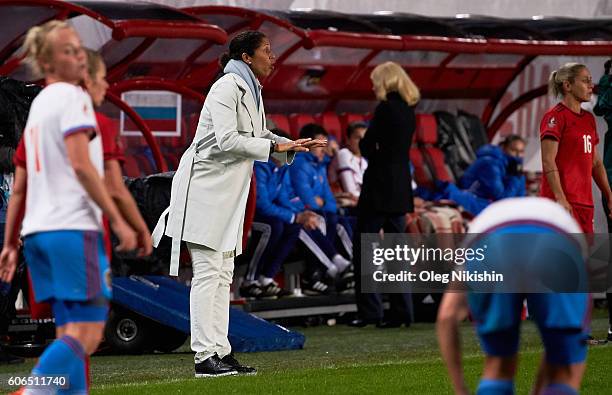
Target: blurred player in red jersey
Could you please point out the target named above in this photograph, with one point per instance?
(96, 85)
(569, 136)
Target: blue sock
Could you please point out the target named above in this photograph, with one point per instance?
(66, 357)
(495, 387)
(559, 389)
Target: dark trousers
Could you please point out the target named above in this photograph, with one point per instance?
(369, 305)
(9, 291)
(334, 236)
(608, 295)
(275, 243)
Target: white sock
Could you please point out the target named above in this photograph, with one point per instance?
(332, 271)
(340, 262)
(264, 281)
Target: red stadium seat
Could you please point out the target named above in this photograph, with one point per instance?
(422, 175)
(426, 129)
(331, 123)
(280, 121)
(296, 121)
(427, 138)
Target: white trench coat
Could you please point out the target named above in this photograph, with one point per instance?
(211, 185)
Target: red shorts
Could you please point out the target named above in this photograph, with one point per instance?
(584, 216)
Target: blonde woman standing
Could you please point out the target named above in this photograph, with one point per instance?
(386, 193)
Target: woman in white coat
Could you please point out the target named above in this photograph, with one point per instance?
(210, 190)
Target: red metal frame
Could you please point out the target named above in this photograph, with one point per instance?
(513, 106)
(451, 46)
(243, 13)
(201, 76)
(122, 29)
(151, 83)
(252, 19)
(488, 112)
(326, 38)
(359, 70)
(115, 71)
(166, 29)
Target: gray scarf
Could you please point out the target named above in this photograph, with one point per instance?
(241, 69)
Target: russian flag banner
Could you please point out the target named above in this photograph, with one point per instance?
(161, 111)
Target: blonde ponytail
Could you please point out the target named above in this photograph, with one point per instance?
(36, 46)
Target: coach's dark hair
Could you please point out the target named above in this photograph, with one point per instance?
(244, 42)
(511, 139)
(350, 129)
(310, 130)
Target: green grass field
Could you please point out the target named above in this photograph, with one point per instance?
(339, 360)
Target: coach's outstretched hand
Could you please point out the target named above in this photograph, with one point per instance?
(300, 145)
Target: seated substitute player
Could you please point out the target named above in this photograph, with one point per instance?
(309, 180)
(561, 317)
(348, 166)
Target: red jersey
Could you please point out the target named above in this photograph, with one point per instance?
(111, 144)
(110, 139)
(577, 137)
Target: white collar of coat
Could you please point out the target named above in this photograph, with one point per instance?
(249, 101)
(246, 89)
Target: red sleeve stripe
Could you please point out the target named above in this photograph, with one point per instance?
(547, 133)
(19, 163)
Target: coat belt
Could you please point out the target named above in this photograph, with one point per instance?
(177, 206)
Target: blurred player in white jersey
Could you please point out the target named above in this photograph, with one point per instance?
(65, 199)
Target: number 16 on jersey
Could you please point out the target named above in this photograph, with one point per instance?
(588, 147)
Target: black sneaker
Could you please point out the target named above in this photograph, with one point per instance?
(610, 334)
(241, 369)
(314, 287)
(214, 367)
(591, 341)
(345, 284)
(251, 291)
(272, 290)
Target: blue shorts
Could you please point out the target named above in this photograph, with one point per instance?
(68, 265)
(65, 312)
(562, 319)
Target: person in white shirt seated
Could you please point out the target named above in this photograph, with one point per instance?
(349, 166)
